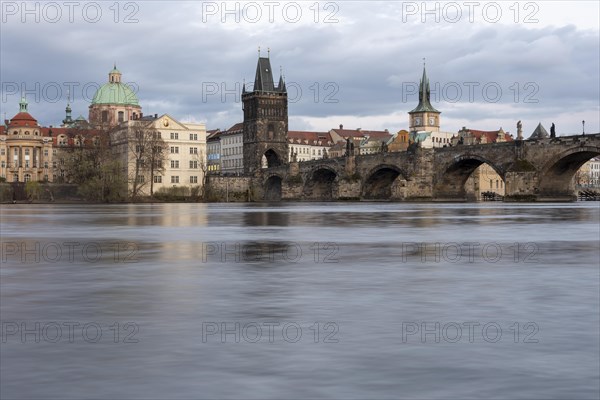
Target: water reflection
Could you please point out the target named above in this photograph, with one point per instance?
(173, 268)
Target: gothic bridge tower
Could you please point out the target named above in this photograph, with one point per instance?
(265, 120)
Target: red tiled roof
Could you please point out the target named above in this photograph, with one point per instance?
(71, 133)
(312, 138)
(22, 119)
(213, 134)
(234, 129)
(362, 133)
(490, 136)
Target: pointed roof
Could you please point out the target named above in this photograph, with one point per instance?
(539, 133)
(424, 96)
(263, 81)
(264, 76)
(281, 85)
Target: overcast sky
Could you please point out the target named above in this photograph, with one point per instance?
(355, 63)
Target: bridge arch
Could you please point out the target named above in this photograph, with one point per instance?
(452, 177)
(272, 188)
(321, 183)
(556, 176)
(271, 159)
(379, 182)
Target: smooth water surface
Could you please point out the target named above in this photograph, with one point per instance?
(311, 300)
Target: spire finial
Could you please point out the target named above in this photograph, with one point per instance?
(423, 62)
(268, 52)
(259, 51)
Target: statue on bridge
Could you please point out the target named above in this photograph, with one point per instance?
(384, 147)
(349, 147)
(519, 130)
(553, 131)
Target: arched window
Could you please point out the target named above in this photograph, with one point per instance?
(104, 116)
(15, 177)
(121, 116)
(27, 177)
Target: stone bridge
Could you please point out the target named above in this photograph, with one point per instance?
(532, 170)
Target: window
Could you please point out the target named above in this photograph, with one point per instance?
(45, 178)
(45, 164)
(175, 179)
(193, 150)
(26, 152)
(140, 178)
(121, 116)
(104, 116)
(193, 179)
(193, 136)
(3, 164)
(157, 179)
(15, 177)
(27, 177)
(193, 164)
(174, 150)
(174, 163)
(2, 152)
(45, 152)
(174, 135)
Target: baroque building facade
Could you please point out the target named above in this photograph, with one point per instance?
(183, 165)
(25, 148)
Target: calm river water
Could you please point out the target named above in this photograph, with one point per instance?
(311, 300)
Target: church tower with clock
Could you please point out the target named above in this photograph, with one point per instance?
(424, 117)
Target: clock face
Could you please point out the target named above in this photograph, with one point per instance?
(417, 120)
(431, 121)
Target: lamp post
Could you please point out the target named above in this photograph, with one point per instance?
(583, 126)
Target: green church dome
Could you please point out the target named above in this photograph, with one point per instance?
(115, 93)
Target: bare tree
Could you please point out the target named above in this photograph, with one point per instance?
(200, 159)
(149, 153)
(95, 170)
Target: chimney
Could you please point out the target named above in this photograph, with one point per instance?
(155, 115)
(341, 126)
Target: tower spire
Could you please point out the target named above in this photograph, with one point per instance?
(424, 94)
(23, 103)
